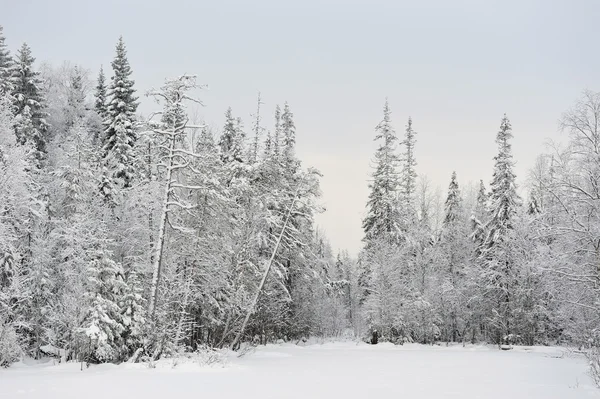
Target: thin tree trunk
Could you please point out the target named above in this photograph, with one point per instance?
(236, 341)
(158, 255)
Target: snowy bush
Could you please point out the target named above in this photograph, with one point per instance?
(202, 357)
(593, 356)
(10, 350)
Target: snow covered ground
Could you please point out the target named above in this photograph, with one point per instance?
(332, 370)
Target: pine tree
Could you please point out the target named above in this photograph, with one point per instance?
(268, 146)
(257, 129)
(276, 144)
(382, 217)
(133, 312)
(29, 103)
(103, 323)
(504, 199)
(482, 200)
(452, 205)
(206, 142)
(5, 66)
(409, 174)
(455, 250)
(497, 248)
(231, 141)
(120, 134)
(100, 95)
(288, 130)
(478, 218)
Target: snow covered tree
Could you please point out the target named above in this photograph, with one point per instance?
(453, 206)
(288, 130)
(409, 174)
(75, 111)
(381, 222)
(133, 312)
(231, 141)
(100, 95)
(103, 324)
(268, 146)
(276, 144)
(173, 159)
(572, 228)
(455, 247)
(5, 66)
(479, 218)
(258, 130)
(31, 125)
(496, 250)
(16, 204)
(120, 133)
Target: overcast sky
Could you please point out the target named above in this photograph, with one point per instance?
(454, 66)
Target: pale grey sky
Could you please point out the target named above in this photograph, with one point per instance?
(454, 66)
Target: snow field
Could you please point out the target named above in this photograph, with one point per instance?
(333, 370)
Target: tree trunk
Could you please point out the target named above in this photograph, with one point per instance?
(158, 255)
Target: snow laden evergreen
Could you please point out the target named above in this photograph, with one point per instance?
(455, 250)
(478, 218)
(382, 220)
(120, 134)
(382, 228)
(257, 129)
(408, 181)
(497, 248)
(103, 324)
(5, 66)
(288, 131)
(453, 204)
(30, 125)
(100, 95)
(232, 139)
(277, 133)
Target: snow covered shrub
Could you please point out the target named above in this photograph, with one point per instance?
(206, 356)
(246, 348)
(10, 350)
(593, 356)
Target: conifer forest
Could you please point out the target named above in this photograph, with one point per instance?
(132, 237)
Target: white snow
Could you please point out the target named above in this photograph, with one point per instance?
(332, 370)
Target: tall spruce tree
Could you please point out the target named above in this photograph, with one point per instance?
(288, 130)
(268, 144)
(231, 141)
(453, 204)
(31, 125)
(504, 199)
(382, 217)
(497, 248)
(454, 249)
(257, 129)
(100, 95)
(409, 173)
(120, 134)
(276, 144)
(478, 218)
(5, 66)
